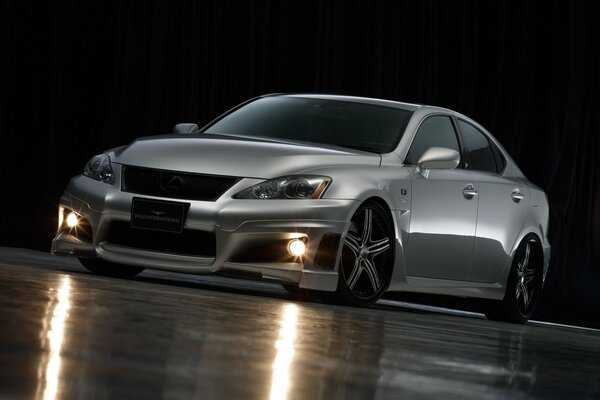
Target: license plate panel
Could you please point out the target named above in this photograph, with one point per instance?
(158, 215)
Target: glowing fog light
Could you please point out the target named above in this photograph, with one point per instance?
(297, 247)
(72, 220)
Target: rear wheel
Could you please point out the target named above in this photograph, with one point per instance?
(524, 285)
(106, 268)
(367, 258)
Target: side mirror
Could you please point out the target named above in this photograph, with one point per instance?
(185, 129)
(437, 158)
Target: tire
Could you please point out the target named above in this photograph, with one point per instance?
(105, 268)
(367, 258)
(524, 284)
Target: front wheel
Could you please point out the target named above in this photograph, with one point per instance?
(106, 268)
(524, 284)
(367, 258)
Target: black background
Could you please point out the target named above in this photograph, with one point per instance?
(79, 77)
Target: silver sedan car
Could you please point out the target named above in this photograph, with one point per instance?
(343, 197)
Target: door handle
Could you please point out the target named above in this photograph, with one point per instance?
(469, 191)
(517, 196)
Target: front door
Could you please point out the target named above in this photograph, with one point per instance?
(442, 225)
(444, 209)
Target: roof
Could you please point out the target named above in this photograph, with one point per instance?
(367, 100)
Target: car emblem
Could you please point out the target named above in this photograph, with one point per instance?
(172, 184)
(156, 212)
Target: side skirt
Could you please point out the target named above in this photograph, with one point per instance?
(493, 291)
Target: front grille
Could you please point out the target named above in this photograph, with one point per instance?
(175, 184)
(190, 242)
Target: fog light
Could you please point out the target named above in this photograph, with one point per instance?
(72, 220)
(297, 247)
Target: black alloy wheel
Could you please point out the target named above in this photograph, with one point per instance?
(367, 258)
(524, 285)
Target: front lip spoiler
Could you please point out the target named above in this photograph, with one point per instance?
(291, 272)
(151, 259)
(64, 248)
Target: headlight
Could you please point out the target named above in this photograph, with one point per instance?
(99, 168)
(288, 187)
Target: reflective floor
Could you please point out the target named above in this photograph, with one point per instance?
(65, 333)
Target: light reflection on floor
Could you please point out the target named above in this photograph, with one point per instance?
(52, 338)
(280, 381)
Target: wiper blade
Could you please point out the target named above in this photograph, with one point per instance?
(358, 147)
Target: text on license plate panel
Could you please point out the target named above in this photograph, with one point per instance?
(158, 215)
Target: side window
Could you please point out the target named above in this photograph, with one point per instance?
(478, 148)
(436, 131)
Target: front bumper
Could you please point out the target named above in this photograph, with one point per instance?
(238, 227)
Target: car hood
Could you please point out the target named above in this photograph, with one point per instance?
(235, 156)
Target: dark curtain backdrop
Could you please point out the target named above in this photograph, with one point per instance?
(82, 76)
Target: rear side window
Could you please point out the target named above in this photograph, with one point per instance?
(478, 148)
(499, 157)
(436, 131)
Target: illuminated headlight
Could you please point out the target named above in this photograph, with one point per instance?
(288, 187)
(99, 168)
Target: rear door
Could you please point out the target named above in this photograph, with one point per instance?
(502, 205)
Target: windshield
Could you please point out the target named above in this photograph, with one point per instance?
(341, 123)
